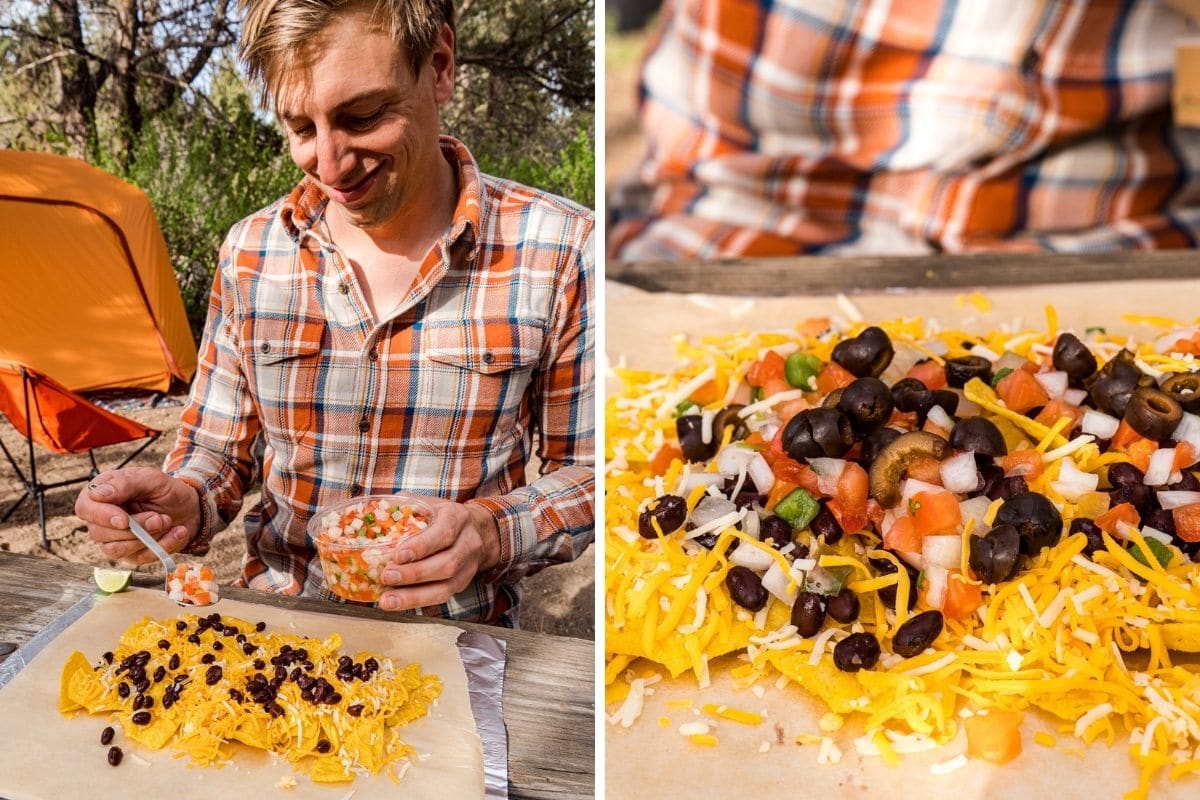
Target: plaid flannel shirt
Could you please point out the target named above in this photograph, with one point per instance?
(495, 338)
(864, 126)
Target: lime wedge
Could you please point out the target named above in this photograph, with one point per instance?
(111, 580)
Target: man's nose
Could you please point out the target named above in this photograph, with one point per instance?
(334, 157)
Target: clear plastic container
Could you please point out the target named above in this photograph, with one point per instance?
(356, 538)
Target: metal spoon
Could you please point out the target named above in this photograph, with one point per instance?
(152, 544)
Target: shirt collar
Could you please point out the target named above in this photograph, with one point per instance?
(302, 212)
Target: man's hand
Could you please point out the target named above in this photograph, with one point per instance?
(166, 507)
(442, 560)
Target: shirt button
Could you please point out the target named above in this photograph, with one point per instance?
(488, 357)
(265, 347)
(355, 490)
(373, 354)
(343, 288)
(1029, 61)
(364, 424)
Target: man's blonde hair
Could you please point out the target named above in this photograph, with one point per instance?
(275, 32)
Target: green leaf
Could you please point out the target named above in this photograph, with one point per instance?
(1000, 375)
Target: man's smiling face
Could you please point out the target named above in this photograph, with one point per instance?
(361, 124)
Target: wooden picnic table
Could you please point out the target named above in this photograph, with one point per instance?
(548, 687)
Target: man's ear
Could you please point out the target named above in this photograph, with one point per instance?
(442, 61)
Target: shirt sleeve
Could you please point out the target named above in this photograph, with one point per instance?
(214, 448)
(553, 519)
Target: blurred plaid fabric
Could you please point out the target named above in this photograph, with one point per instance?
(495, 339)
(791, 127)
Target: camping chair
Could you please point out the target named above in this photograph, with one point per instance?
(48, 413)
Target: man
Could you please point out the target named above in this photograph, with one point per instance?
(399, 322)
(777, 129)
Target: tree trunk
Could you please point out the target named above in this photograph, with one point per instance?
(77, 85)
(129, 113)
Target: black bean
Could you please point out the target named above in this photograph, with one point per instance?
(181, 625)
(140, 718)
(260, 664)
(280, 673)
(218, 646)
(843, 606)
(355, 710)
(808, 613)
(323, 746)
(745, 588)
(194, 638)
(147, 701)
(857, 651)
(1091, 530)
(370, 664)
(307, 695)
(335, 698)
(123, 689)
(295, 674)
(212, 675)
(917, 633)
(106, 735)
(826, 525)
(114, 755)
(275, 710)
(207, 658)
(689, 429)
(247, 649)
(260, 626)
(108, 657)
(168, 700)
(775, 528)
(173, 664)
(142, 685)
(163, 644)
(301, 654)
(669, 511)
(160, 672)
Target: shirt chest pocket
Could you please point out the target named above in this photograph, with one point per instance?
(285, 362)
(475, 387)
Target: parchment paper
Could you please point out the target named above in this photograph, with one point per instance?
(46, 756)
(651, 759)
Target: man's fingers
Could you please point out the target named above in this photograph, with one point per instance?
(425, 594)
(440, 566)
(442, 532)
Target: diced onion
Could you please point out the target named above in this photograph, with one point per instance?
(1073, 482)
(1188, 430)
(942, 551)
(936, 578)
(710, 508)
(752, 557)
(975, 508)
(959, 473)
(1009, 360)
(1159, 471)
(1176, 498)
(910, 487)
(690, 482)
(1075, 396)
(778, 582)
(760, 472)
(1054, 382)
(733, 458)
(938, 416)
(1166, 342)
(828, 470)
(1099, 424)
(750, 525)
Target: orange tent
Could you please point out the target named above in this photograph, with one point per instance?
(89, 295)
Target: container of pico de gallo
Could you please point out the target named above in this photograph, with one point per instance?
(355, 539)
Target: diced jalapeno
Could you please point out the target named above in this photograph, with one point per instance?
(800, 369)
(1159, 550)
(798, 508)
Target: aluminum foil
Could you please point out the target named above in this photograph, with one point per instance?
(483, 657)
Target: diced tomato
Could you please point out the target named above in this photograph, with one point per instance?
(708, 392)
(1187, 522)
(813, 326)
(790, 471)
(663, 458)
(925, 468)
(1122, 512)
(780, 490)
(849, 505)
(962, 599)
(903, 419)
(1020, 391)
(1124, 436)
(833, 376)
(790, 408)
(902, 536)
(935, 512)
(1185, 456)
(773, 386)
(768, 367)
(1139, 452)
(1027, 463)
(1056, 410)
(930, 373)
(994, 736)
(875, 513)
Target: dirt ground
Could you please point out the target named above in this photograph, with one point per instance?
(558, 600)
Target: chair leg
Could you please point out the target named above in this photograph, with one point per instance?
(135, 453)
(41, 501)
(14, 506)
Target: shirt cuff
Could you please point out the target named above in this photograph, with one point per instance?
(199, 544)
(515, 523)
